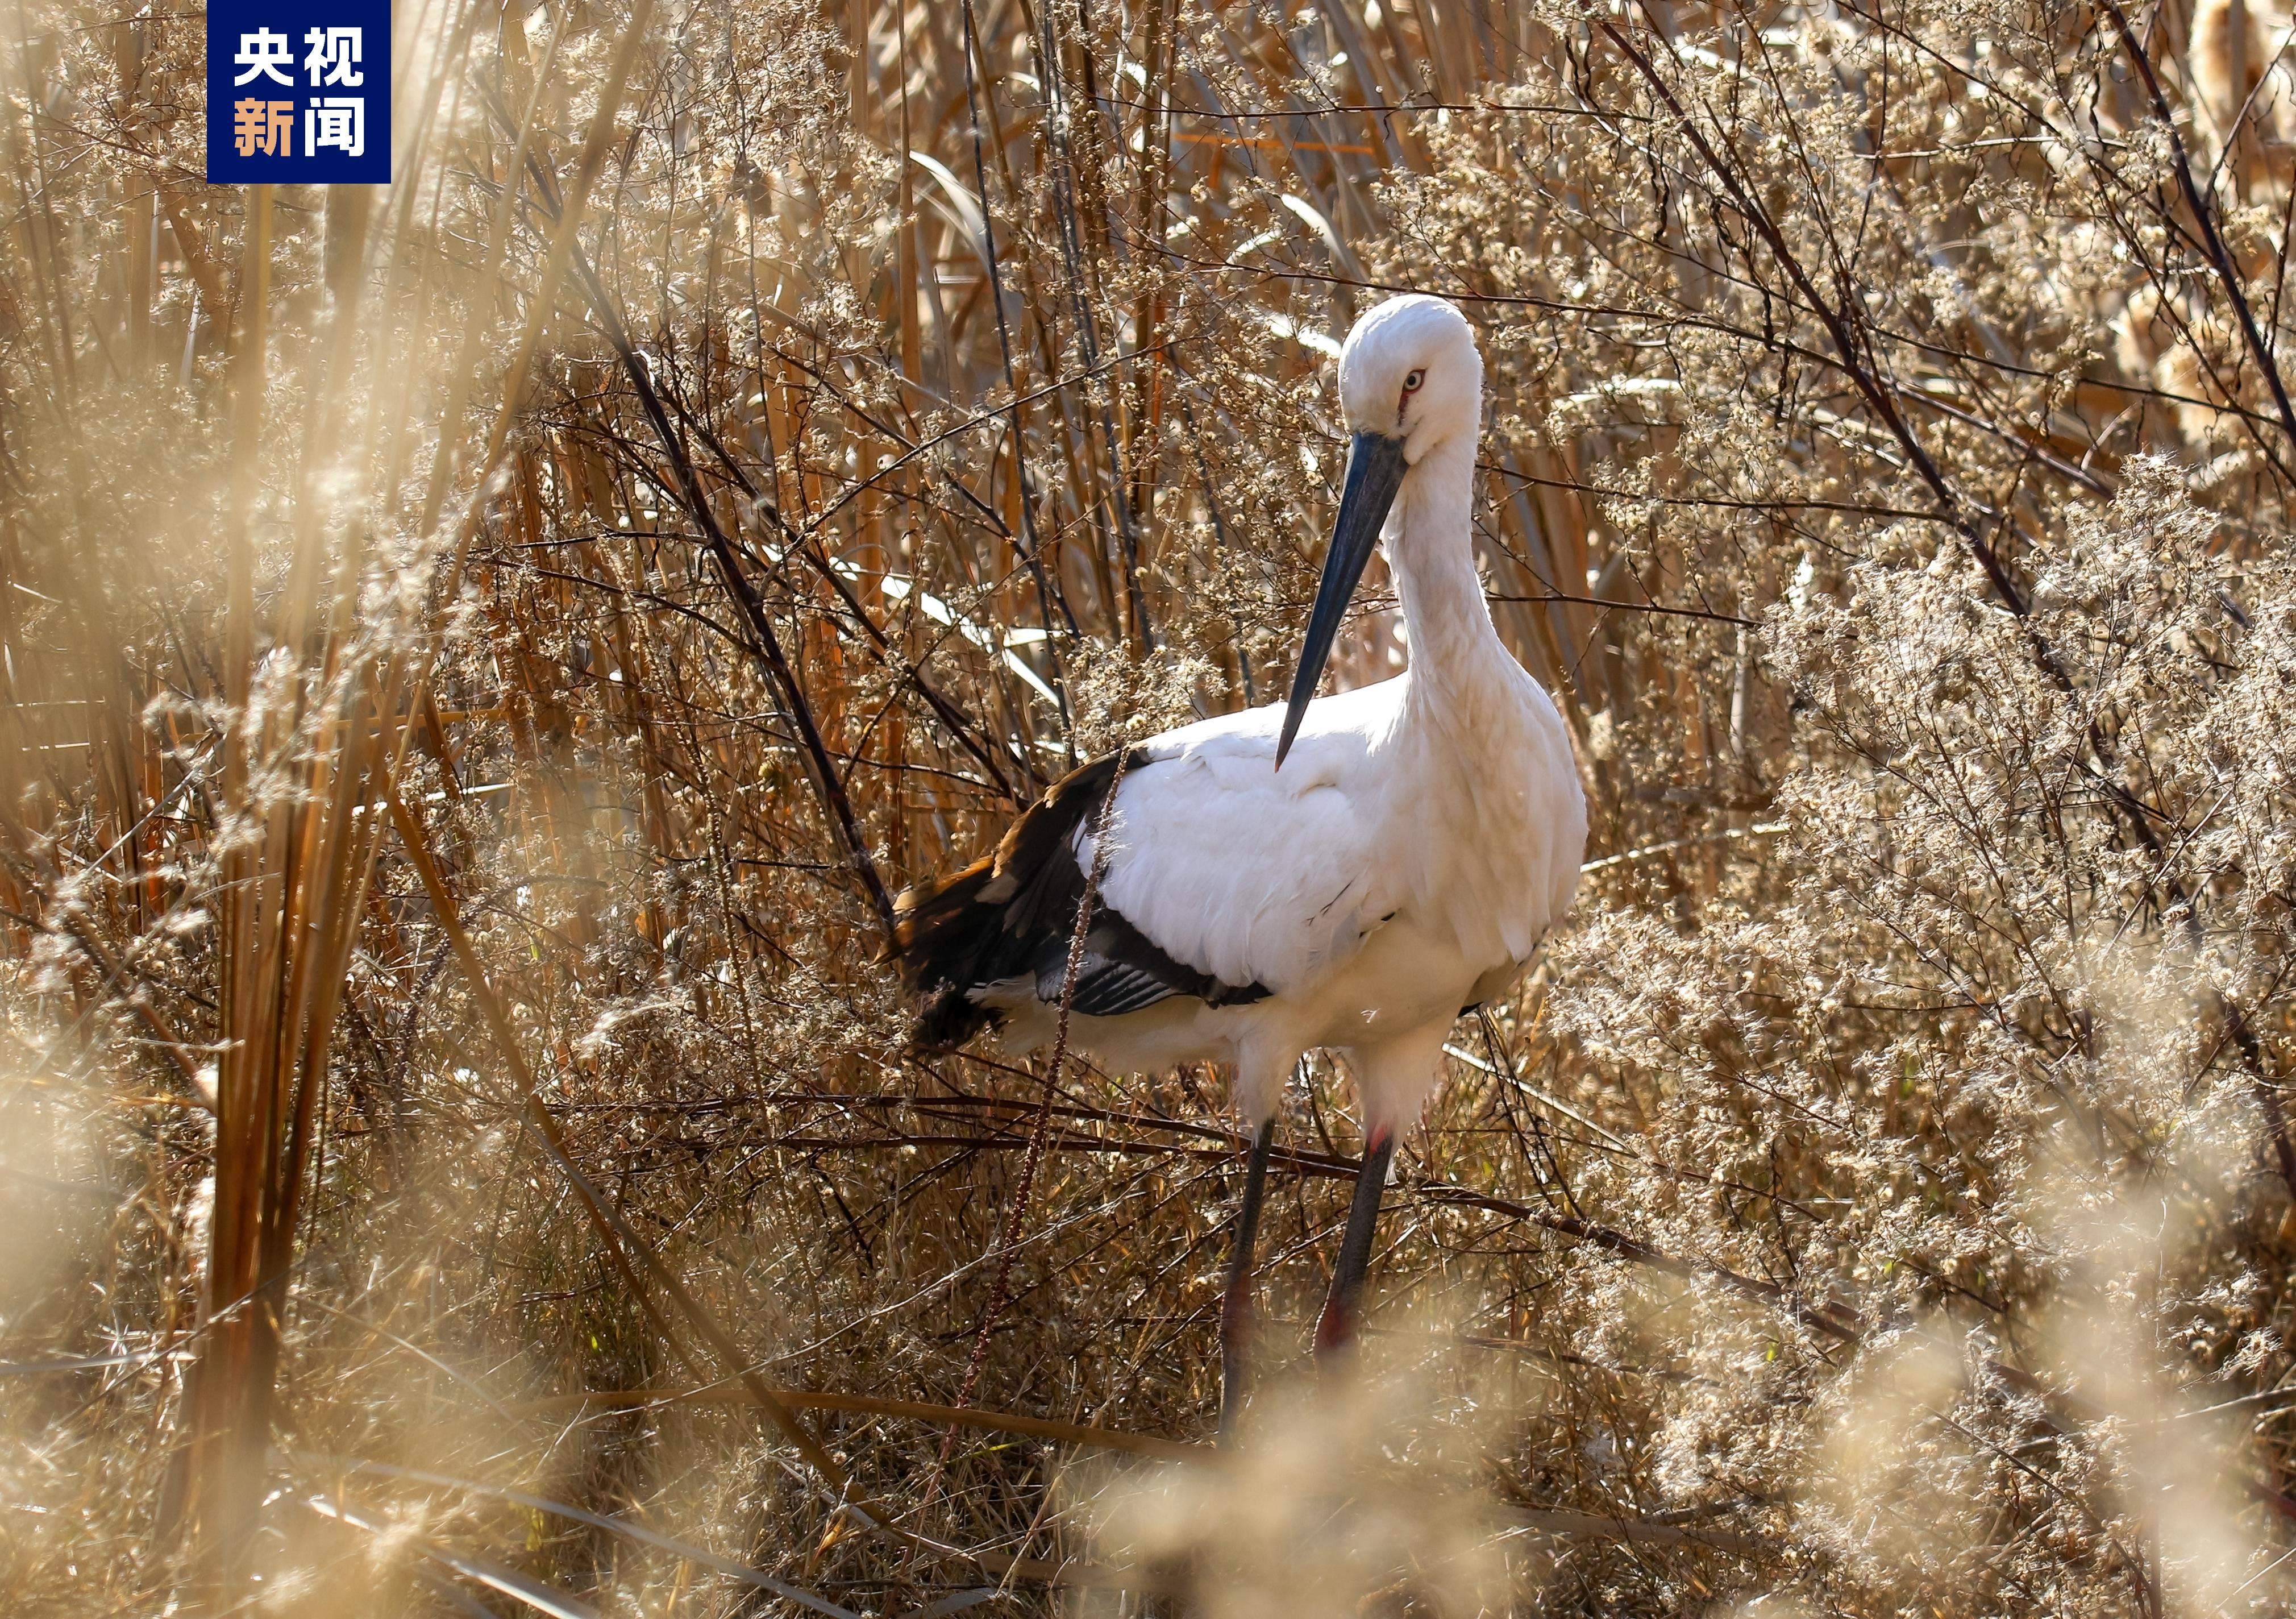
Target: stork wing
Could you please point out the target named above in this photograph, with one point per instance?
(1244, 873)
(973, 941)
(1225, 881)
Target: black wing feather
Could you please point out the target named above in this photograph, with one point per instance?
(1012, 914)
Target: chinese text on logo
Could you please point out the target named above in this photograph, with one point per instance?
(301, 96)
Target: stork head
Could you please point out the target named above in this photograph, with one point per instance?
(1410, 380)
(1410, 375)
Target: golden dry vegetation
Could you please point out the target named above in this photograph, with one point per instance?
(481, 655)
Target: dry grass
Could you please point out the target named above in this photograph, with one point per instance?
(482, 653)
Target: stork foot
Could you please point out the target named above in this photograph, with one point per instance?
(1237, 1315)
(1335, 1328)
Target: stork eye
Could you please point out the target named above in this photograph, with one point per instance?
(1411, 384)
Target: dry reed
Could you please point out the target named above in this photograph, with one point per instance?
(480, 655)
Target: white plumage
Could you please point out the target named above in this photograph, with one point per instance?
(1376, 886)
(1417, 840)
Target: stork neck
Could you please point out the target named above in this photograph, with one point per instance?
(1430, 550)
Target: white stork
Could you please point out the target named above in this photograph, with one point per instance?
(1398, 869)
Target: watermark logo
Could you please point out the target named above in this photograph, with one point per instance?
(298, 94)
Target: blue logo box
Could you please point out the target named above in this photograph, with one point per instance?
(298, 93)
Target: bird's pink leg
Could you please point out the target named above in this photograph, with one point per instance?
(1237, 1313)
(1335, 1330)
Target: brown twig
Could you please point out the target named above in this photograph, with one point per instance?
(2219, 256)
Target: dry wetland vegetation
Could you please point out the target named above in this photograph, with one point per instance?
(481, 655)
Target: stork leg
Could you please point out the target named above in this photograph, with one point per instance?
(1236, 1313)
(1336, 1328)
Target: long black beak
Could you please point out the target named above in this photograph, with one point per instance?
(1375, 469)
